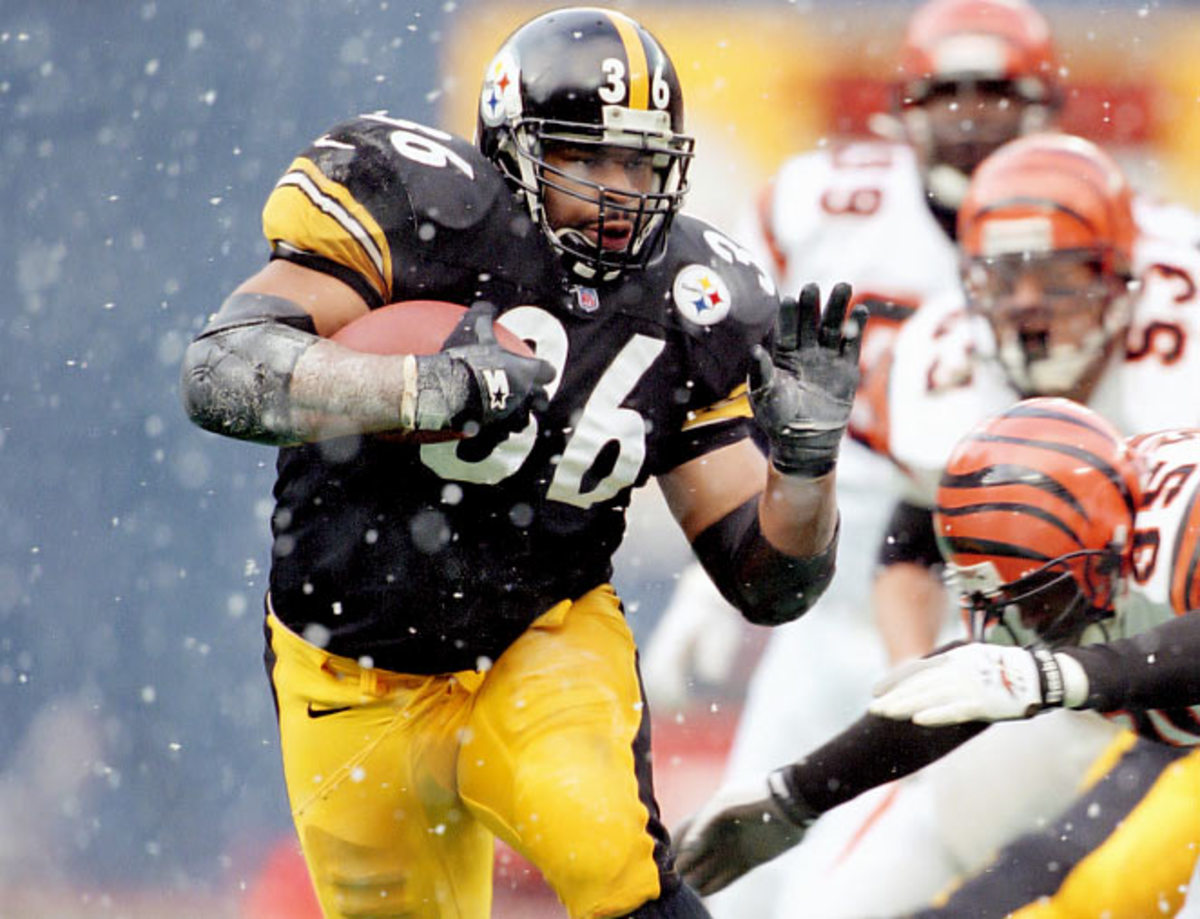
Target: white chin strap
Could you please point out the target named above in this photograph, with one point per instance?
(1061, 370)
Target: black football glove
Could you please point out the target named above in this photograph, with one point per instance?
(740, 828)
(474, 381)
(802, 392)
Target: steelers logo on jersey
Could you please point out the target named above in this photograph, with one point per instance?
(501, 97)
(701, 295)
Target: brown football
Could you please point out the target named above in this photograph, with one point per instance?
(414, 327)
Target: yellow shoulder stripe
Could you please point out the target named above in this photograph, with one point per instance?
(311, 212)
(735, 405)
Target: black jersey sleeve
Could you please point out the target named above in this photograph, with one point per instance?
(398, 211)
(909, 537)
(1153, 669)
(721, 303)
(869, 753)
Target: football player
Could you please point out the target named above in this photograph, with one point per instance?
(1075, 555)
(972, 74)
(449, 660)
(1072, 286)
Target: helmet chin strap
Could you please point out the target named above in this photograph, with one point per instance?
(1059, 373)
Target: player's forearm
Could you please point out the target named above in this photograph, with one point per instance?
(869, 753)
(1154, 669)
(798, 515)
(265, 381)
(909, 603)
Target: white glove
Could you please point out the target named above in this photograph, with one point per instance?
(738, 829)
(979, 682)
(698, 636)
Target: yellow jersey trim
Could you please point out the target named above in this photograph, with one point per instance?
(312, 213)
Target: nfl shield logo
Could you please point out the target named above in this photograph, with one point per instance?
(587, 298)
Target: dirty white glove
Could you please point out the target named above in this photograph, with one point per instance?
(697, 637)
(979, 682)
(738, 829)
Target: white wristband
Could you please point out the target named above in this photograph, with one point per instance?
(1075, 681)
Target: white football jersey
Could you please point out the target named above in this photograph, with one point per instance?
(942, 382)
(856, 212)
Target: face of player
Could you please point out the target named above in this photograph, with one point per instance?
(595, 191)
(967, 121)
(1051, 317)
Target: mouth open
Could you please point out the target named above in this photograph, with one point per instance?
(616, 236)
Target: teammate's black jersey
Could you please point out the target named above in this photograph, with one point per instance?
(427, 559)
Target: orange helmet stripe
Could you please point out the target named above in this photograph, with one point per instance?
(635, 54)
(1185, 562)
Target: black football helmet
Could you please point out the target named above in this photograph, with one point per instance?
(588, 78)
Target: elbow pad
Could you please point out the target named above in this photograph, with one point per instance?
(767, 586)
(910, 537)
(235, 379)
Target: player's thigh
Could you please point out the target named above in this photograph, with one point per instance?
(1124, 849)
(554, 759)
(369, 761)
(1034, 769)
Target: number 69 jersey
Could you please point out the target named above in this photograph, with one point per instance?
(432, 558)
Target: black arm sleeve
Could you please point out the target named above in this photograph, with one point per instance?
(1153, 669)
(769, 587)
(869, 753)
(909, 537)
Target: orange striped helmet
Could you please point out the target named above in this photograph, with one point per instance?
(1034, 510)
(973, 74)
(953, 40)
(1047, 232)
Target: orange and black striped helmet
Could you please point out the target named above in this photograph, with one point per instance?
(994, 40)
(1036, 500)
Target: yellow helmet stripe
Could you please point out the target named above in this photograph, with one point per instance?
(635, 54)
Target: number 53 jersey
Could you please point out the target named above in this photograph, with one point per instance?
(433, 558)
(941, 377)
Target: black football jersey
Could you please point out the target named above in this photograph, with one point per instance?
(433, 558)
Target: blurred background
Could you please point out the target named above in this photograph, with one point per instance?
(139, 774)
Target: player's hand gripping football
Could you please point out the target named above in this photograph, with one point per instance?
(739, 829)
(802, 391)
(474, 381)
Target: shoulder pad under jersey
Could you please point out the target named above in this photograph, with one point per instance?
(374, 189)
(712, 283)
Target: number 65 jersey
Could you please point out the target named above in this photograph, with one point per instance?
(1164, 583)
(433, 558)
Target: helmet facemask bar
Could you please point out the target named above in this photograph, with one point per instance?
(1053, 345)
(649, 212)
(950, 149)
(1054, 585)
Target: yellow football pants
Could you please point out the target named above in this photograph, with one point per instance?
(1123, 850)
(398, 782)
